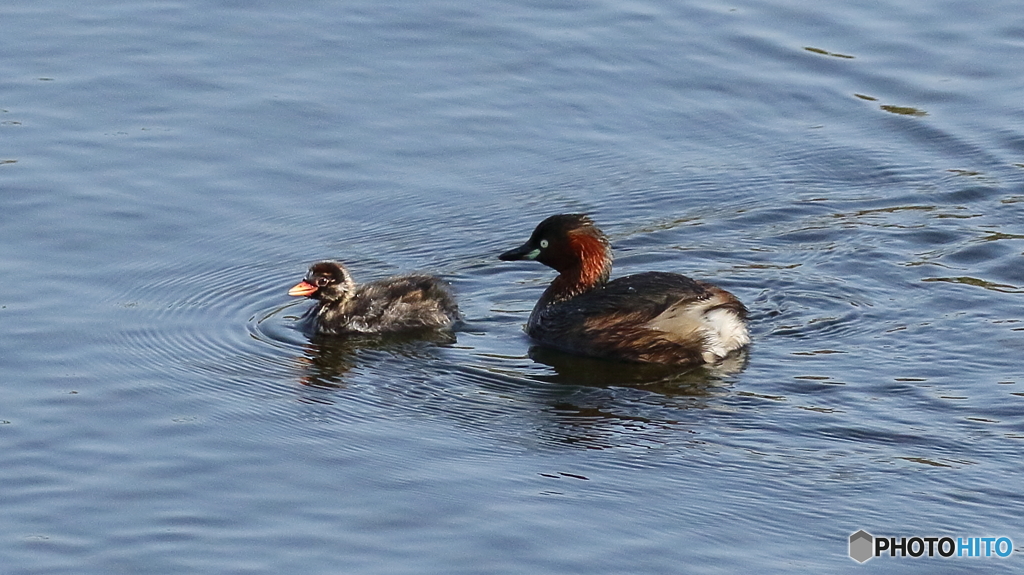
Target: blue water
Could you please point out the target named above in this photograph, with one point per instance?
(853, 172)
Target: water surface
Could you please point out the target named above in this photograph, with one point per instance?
(854, 173)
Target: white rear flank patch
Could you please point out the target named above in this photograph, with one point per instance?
(720, 328)
(724, 332)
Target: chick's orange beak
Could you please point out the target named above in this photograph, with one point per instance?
(302, 289)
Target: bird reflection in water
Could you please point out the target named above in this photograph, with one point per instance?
(664, 379)
(329, 358)
(599, 404)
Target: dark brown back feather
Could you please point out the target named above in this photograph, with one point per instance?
(609, 320)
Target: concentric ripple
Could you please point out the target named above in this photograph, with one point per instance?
(234, 323)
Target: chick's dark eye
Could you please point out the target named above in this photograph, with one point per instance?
(322, 281)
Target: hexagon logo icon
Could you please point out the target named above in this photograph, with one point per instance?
(861, 544)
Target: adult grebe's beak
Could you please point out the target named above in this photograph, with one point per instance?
(526, 251)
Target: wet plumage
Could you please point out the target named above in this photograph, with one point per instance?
(654, 317)
(396, 304)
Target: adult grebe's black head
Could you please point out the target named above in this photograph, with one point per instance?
(572, 245)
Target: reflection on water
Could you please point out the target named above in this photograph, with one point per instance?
(979, 283)
(827, 53)
(666, 379)
(903, 110)
(330, 357)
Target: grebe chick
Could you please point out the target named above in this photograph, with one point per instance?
(651, 317)
(395, 304)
